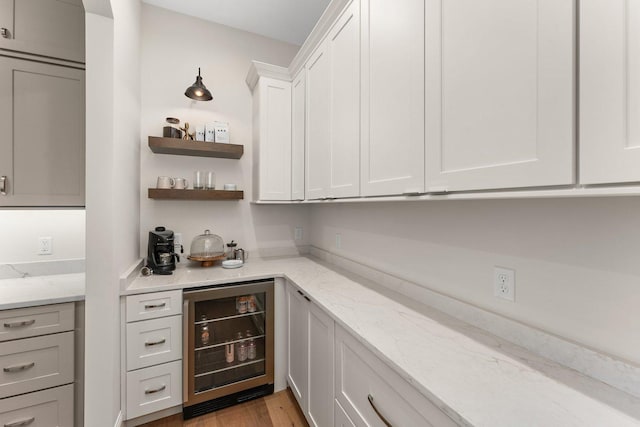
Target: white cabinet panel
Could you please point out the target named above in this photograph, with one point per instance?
(298, 107)
(46, 408)
(500, 93)
(392, 97)
(317, 153)
(153, 342)
(343, 46)
(369, 390)
(153, 389)
(153, 305)
(341, 418)
(609, 91)
(297, 346)
(274, 143)
(321, 332)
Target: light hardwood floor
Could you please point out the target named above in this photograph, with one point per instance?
(276, 410)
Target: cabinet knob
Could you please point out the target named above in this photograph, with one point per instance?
(5, 33)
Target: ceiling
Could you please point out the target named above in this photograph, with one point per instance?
(286, 20)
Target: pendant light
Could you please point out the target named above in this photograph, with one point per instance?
(198, 90)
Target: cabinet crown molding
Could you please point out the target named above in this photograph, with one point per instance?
(260, 69)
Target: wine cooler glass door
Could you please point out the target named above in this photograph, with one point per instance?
(230, 340)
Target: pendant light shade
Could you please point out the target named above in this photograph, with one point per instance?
(198, 90)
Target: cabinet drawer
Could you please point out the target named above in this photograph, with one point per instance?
(360, 374)
(34, 321)
(153, 342)
(153, 389)
(151, 306)
(35, 363)
(53, 407)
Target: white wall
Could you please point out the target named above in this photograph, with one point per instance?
(21, 229)
(113, 115)
(173, 47)
(576, 260)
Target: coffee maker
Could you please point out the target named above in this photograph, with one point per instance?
(161, 256)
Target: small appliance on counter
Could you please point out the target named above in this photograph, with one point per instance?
(207, 248)
(161, 256)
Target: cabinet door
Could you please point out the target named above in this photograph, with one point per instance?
(341, 418)
(321, 333)
(275, 139)
(318, 121)
(297, 346)
(343, 48)
(499, 93)
(298, 97)
(52, 28)
(42, 118)
(392, 97)
(609, 91)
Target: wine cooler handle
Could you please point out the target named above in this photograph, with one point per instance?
(185, 351)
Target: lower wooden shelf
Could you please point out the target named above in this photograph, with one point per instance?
(171, 194)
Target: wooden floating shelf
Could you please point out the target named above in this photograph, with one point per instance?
(183, 147)
(171, 194)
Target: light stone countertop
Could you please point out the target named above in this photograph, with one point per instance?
(41, 290)
(473, 376)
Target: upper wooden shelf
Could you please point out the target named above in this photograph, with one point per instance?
(183, 147)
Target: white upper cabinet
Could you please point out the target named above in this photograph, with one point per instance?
(333, 111)
(392, 117)
(298, 110)
(609, 91)
(317, 125)
(500, 85)
(272, 138)
(343, 48)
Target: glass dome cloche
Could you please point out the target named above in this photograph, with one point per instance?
(207, 248)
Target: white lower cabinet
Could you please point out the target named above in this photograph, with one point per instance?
(154, 352)
(341, 419)
(46, 408)
(154, 389)
(310, 350)
(374, 395)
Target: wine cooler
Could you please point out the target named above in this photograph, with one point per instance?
(229, 345)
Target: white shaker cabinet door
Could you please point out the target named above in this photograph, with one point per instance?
(392, 149)
(317, 155)
(298, 109)
(499, 93)
(297, 346)
(343, 48)
(274, 148)
(321, 373)
(609, 91)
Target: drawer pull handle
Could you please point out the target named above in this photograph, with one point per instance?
(3, 178)
(155, 390)
(19, 368)
(152, 343)
(21, 423)
(382, 418)
(307, 298)
(149, 306)
(20, 324)
(300, 292)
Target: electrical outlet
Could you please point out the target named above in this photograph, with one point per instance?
(338, 241)
(504, 283)
(45, 246)
(297, 233)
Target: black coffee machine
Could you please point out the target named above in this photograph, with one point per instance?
(161, 255)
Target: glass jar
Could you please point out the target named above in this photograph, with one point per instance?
(241, 348)
(207, 245)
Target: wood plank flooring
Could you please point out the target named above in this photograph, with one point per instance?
(276, 410)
